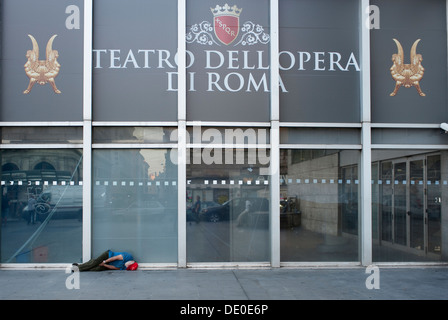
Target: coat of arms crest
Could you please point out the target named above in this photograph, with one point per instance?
(226, 23)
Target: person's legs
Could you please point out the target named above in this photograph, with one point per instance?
(94, 264)
(99, 268)
(242, 218)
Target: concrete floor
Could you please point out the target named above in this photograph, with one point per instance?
(400, 283)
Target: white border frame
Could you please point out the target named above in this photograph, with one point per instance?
(274, 124)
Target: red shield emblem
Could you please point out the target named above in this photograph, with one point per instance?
(226, 28)
(226, 23)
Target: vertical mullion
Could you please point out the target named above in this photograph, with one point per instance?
(365, 200)
(181, 151)
(274, 136)
(87, 132)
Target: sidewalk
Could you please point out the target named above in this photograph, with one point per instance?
(410, 283)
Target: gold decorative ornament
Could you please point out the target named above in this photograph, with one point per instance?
(407, 75)
(42, 71)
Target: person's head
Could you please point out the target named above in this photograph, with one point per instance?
(131, 265)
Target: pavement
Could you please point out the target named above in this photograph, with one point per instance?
(237, 284)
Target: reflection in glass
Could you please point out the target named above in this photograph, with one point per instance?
(41, 206)
(135, 203)
(386, 201)
(399, 203)
(434, 205)
(319, 205)
(416, 210)
(227, 205)
(41, 135)
(134, 135)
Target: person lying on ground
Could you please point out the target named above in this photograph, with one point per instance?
(109, 260)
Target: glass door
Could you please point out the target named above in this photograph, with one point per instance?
(416, 210)
(410, 203)
(399, 220)
(386, 201)
(425, 204)
(433, 202)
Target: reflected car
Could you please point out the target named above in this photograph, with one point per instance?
(231, 209)
(62, 202)
(142, 208)
(205, 206)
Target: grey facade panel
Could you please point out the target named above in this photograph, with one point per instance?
(323, 38)
(231, 80)
(134, 56)
(41, 103)
(408, 21)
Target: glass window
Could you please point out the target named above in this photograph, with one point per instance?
(135, 203)
(18, 135)
(407, 191)
(134, 135)
(408, 136)
(41, 206)
(228, 135)
(228, 205)
(320, 136)
(319, 205)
